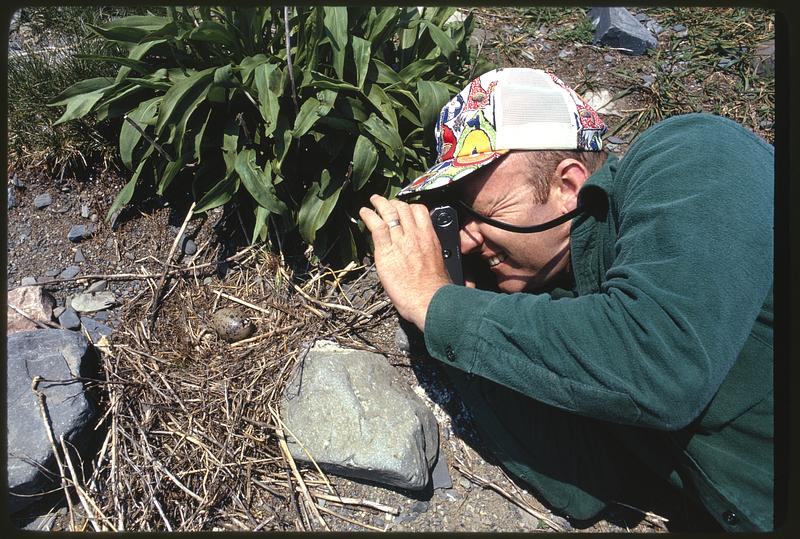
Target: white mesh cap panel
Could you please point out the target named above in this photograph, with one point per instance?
(534, 113)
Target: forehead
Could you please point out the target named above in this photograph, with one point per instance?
(493, 182)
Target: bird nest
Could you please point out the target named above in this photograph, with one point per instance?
(194, 440)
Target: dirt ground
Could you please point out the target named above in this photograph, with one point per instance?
(481, 498)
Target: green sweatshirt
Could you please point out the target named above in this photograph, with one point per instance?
(669, 327)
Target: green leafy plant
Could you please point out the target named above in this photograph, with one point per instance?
(299, 114)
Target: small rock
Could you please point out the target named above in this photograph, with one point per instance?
(615, 140)
(678, 28)
(33, 301)
(12, 200)
(564, 53)
(654, 27)
(420, 507)
(69, 319)
(93, 218)
(28, 281)
(189, 246)
(79, 256)
(101, 316)
(58, 311)
(80, 232)
(608, 59)
(15, 181)
(591, 68)
(465, 483)
(42, 201)
(764, 58)
(94, 301)
(232, 325)
(641, 17)
(95, 329)
(84, 211)
(648, 80)
(97, 286)
(69, 272)
(52, 272)
(207, 281)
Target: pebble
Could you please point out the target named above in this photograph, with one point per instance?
(93, 218)
(97, 286)
(79, 256)
(69, 319)
(28, 281)
(58, 310)
(52, 272)
(69, 272)
(12, 200)
(563, 53)
(95, 328)
(420, 507)
(591, 68)
(465, 483)
(608, 59)
(189, 246)
(42, 201)
(101, 315)
(648, 80)
(615, 140)
(80, 232)
(84, 211)
(96, 301)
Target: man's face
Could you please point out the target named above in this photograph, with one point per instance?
(519, 261)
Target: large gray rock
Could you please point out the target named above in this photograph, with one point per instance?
(356, 420)
(616, 27)
(59, 357)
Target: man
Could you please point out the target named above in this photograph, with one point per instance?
(637, 319)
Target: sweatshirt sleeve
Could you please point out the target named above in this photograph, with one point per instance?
(692, 266)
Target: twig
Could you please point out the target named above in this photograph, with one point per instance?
(144, 276)
(485, 483)
(82, 496)
(288, 456)
(48, 427)
(241, 302)
(267, 335)
(156, 299)
(350, 520)
(155, 144)
(356, 501)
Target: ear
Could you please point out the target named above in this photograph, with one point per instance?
(571, 175)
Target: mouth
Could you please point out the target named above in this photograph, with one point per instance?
(495, 260)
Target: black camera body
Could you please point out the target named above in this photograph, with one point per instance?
(445, 223)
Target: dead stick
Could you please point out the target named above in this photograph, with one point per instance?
(299, 478)
(351, 520)
(48, 427)
(356, 501)
(143, 276)
(82, 495)
(485, 483)
(159, 289)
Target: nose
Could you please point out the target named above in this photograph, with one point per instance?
(470, 237)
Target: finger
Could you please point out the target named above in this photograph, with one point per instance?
(377, 227)
(384, 208)
(422, 217)
(405, 215)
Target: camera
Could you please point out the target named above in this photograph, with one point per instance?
(445, 223)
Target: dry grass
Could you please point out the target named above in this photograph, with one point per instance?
(193, 438)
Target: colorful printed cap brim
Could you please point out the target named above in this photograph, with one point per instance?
(445, 173)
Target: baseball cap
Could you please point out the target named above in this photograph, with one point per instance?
(502, 110)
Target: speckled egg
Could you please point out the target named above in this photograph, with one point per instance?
(232, 324)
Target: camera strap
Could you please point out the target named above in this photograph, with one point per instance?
(525, 229)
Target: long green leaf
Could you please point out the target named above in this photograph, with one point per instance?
(384, 134)
(80, 88)
(336, 30)
(179, 93)
(311, 111)
(365, 158)
(258, 181)
(317, 206)
(213, 32)
(432, 97)
(267, 78)
(361, 55)
(125, 195)
(418, 69)
(129, 136)
(219, 194)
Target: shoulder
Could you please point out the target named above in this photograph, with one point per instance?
(697, 132)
